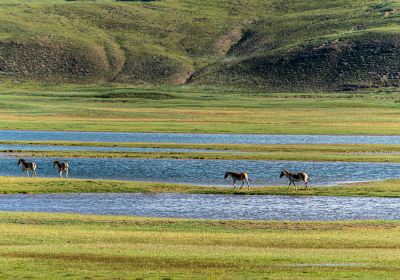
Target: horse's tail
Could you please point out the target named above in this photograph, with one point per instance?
(306, 177)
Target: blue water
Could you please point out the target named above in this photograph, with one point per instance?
(231, 207)
(12, 147)
(208, 172)
(195, 138)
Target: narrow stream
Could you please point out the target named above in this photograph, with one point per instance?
(26, 135)
(208, 172)
(231, 207)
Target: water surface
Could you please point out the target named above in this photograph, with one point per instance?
(231, 207)
(16, 147)
(25, 135)
(208, 172)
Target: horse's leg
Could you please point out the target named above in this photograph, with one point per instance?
(60, 173)
(242, 185)
(234, 182)
(248, 185)
(22, 173)
(290, 182)
(295, 186)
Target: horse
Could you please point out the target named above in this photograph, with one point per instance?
(242, 177)
(296, 177)
(28, 166)
(61, 166)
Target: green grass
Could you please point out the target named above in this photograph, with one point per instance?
(18, 185)
(195, 110)
(310, 152)
(272, 44)
(50, 246)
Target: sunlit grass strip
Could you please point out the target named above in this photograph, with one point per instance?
(196, 110)
(318, 152)
(53, 246)
(17, 185)
(338, 148)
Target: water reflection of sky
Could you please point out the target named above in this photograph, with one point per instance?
(232, 207)
(208, 172)
(24, 135)
(11, 147)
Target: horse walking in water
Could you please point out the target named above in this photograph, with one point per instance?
(27, 166)
(241, 177)
(296, 177)
(61, 166)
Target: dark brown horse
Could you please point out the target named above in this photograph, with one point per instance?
(61, 166)
(241, 177)
(27, 166)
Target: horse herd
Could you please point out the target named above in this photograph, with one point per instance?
(241, 177)
(31, 166)
(293, 178)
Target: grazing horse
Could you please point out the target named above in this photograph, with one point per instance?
(242, 177)
(28, 166)
(296, 177)
(61, 166)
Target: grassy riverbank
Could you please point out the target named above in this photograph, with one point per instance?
(317, 152)
(49, 246)
(333, 148)
(15, 185)
(195, 109)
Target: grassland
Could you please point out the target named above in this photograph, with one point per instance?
(18, 185)
(274, 44)
(228, 56)
(309, 152)
(49, 246)
(195, 109)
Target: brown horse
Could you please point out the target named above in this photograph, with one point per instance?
(241, 177)
(296, 177)
(61, 166)
(27, 166)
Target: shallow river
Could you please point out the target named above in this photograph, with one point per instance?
(208, 172)
(231, 207)
(195, 138)
(12, 147)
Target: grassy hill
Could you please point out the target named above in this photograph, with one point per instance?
(274, 45)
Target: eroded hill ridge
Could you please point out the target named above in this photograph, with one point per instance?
(290, 45)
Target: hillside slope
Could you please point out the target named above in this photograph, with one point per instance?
(271, 44)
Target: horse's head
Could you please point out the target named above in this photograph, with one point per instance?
(55, 163)
(283, 173)
(226, 175)
(20, 161)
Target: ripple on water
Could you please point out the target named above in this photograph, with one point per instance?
(208, 172)
(25, 135)
(229, 207)
(9, 147)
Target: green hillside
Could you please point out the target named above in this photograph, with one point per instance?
(271, 44)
